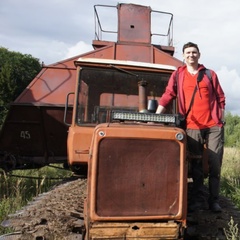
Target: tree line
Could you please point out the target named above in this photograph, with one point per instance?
(17, 70)
(232, 131)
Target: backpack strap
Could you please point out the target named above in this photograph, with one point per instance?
(209, 75)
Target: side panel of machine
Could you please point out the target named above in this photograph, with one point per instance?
(34, 135)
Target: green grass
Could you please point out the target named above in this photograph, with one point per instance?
(232, 233)
(19, 187)
(230, 176)
(230, 186)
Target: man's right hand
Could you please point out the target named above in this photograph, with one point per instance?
(160, 109)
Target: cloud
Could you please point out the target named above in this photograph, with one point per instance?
(230, 82)
(79, 48)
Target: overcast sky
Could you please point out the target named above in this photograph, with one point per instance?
(54, 30)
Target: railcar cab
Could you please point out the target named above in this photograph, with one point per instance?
(126, 146)
(113, 90)
(108, 85)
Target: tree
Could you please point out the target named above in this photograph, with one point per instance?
(232, 131)
(17, 70)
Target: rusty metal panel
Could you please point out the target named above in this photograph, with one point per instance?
(107, 50)
(34, 131)
(55, 131)
(161, 57)
(150, 161)
(133, 23)
(153, 185)
(49, 87)
(134, 230)
(22, 131)
(134, 53)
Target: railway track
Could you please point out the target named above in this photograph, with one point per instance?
(58, 214)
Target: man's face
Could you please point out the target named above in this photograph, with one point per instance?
(191, 55)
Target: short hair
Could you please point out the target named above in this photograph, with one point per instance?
(190, 44)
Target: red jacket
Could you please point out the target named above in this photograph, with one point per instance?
(175, 89)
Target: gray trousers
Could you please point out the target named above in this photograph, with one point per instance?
(213, 138)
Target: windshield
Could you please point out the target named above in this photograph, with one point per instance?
(101, 90)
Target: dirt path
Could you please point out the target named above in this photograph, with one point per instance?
(58, 214)
(53, 215)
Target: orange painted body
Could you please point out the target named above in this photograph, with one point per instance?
(137, 182)
(137, 169)
(46, 94)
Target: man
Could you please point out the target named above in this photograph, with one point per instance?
(204, 121)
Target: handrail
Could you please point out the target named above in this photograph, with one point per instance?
(66, 109)
(168, 17)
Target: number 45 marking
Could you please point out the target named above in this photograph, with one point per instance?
(25, 134)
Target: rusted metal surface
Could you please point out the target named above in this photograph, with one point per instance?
(117, 88)
(135, 230)
(51, 86)
(137, 173)
(34, 134)
(134, 24)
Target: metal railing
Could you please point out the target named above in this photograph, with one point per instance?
(162, 36)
